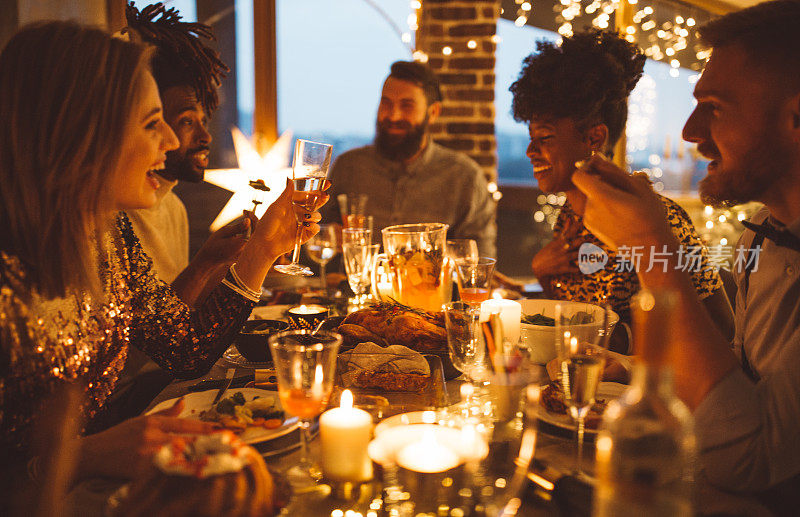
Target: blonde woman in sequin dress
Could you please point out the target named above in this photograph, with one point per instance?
(81, 133)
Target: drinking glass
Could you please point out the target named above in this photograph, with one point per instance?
(309, 173)
(581, 341)
(352, 207)
(465, 344)
(305, 364)
(474, 278)
(358, 262)
(356, 236)
(322, 247)
(462, 248)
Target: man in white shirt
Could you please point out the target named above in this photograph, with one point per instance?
(187, 73)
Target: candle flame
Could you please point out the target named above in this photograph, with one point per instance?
(467, 390)
(316, 388)
(573, 345)
(346, 400)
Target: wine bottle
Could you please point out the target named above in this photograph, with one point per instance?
(646, 443)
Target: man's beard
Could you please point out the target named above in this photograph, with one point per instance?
(180, 167)
(396, 147)
(757, 172)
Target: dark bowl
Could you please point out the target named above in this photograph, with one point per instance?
(253, 345)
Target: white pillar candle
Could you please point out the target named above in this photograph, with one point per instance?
(428, 455)
(510, 315)
(344, 435)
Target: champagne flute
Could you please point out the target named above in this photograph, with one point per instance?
(358, 262)
(580, 344)
(309, 173)
(322, 247)
(305, 364)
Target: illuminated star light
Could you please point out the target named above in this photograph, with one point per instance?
(270, 168)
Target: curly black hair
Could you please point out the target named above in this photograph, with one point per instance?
(587, 78)
(181, 58)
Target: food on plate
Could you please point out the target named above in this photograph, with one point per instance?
(400, 325)
(391, 368)
(236, 413)
(213, 474)
(579, 318)
(552, 399)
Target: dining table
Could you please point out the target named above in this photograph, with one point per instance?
(551, 487)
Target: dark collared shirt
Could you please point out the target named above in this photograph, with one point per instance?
(441, 186)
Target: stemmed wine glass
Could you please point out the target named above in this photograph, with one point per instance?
(309, 172)
(359, 259)
(462, 249)
(305, 364)
(474, 278)
(322, 247)
(581, 342)
(465, 346)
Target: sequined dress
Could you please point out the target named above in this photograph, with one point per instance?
(46, 343)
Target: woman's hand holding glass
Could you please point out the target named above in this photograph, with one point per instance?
(274, 234)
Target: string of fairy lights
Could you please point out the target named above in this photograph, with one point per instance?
(663, 36)
(665, 32)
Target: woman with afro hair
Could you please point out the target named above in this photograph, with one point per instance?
(574, 96)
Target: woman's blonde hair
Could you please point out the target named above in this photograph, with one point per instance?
(67, 94)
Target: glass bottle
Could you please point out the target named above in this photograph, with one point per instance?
(646, 444)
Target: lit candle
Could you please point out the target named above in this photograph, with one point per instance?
(383, 286)
(308, 309)
(307, 316)
(344, 435)
(427, 455)
(510, 316)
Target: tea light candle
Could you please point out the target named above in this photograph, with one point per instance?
(427, 455)
(307, 316)
(308, 309)
(344, 435)
(383, 287)
(510, 315)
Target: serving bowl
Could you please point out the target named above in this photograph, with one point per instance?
(540, 339)
(252, 339)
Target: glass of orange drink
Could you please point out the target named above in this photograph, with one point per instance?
(305, 365)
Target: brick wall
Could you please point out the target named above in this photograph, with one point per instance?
(467, 28)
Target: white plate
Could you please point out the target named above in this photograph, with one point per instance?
(606, 391)
(199, 401)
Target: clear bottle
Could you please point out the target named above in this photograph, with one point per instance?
(646, 444)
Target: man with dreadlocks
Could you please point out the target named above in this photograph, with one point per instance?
(187, 73)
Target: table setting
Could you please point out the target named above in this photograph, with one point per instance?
(417, 390)
(410, 414)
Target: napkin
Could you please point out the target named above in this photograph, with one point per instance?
(375, 358)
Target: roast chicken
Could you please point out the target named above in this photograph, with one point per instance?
(389, 324)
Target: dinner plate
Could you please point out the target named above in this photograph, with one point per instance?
(199, 401)
(606, 391)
